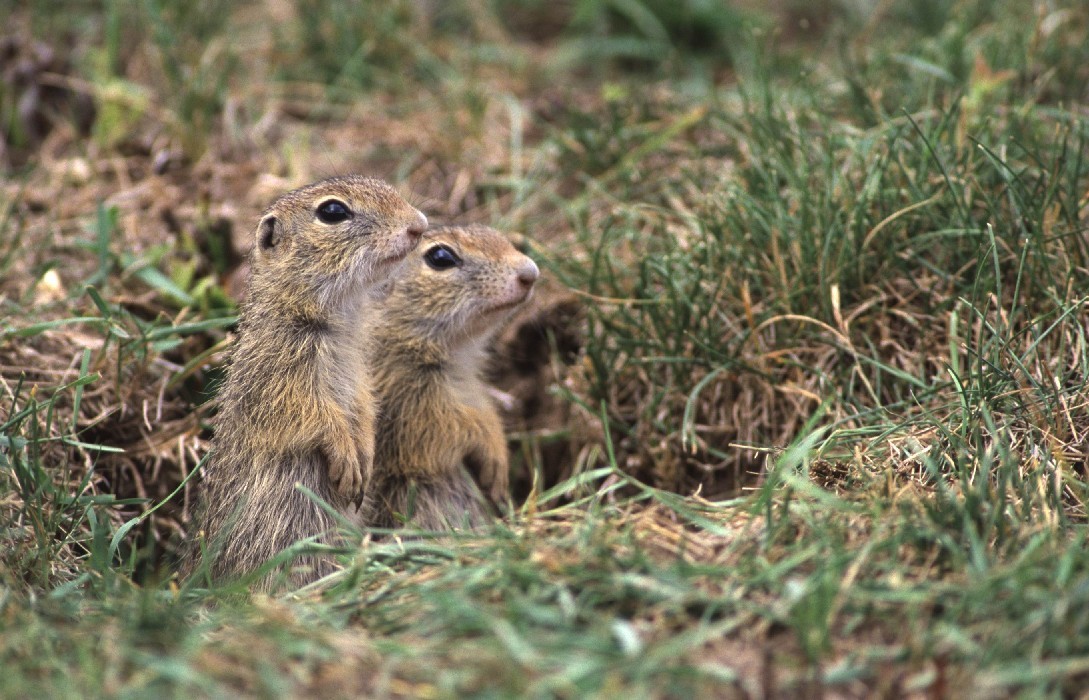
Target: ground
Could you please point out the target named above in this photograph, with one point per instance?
(800, 408)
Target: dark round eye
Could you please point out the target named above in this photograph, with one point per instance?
(332, 211)
(441, 258)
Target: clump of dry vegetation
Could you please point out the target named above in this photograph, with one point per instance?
(802, 406)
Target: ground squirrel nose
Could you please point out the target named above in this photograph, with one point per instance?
(528, 273)
(417, 227)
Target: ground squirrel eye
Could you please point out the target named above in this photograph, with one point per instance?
(332, 211)
(441, 258)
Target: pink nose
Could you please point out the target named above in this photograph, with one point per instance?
(528, 273)
(417, 227)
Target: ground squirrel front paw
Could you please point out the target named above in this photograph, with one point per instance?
(493, 475)
(349, 472)
(500, 483)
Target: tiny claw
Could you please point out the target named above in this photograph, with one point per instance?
(350, 484)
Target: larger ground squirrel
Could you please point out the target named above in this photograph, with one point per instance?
(297, 405)
(438, 430)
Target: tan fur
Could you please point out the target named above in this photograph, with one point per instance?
(297, 405)
(437, 427)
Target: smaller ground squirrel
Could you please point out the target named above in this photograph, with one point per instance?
(437, 426)
(297, 405)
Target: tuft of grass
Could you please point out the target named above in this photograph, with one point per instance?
(354, 46)
(652, 34)
(832, 266)
(197, 59)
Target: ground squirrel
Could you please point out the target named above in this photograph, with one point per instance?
(297, 405)
(437, 426)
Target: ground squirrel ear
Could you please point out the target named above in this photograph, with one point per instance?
(268, 233)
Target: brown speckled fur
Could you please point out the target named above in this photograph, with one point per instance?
(297, 405)
(437, 426)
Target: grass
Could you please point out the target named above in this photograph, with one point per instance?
(813, 411)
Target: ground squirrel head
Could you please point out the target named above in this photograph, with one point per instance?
(460, 284)
(333, 239)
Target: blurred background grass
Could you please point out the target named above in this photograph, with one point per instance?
(801, 407)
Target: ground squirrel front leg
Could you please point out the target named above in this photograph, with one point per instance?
(350, 455)
(489, 458)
